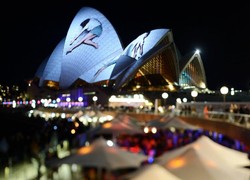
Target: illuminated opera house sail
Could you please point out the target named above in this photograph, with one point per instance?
(192, 73)
(92, 54)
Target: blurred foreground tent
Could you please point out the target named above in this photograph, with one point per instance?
(168, 122)
(101, 155)
(205, 159)
(119, 125)
(149, 172)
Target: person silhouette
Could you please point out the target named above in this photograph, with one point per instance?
(92, 28)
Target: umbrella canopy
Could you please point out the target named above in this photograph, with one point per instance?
(205, 159)
(149, 172)
(168, 122)
(121, 124)
(127, 120)
(100, 155)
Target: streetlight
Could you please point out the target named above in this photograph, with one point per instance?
(68, 100)
(224, 91)
(164, 96)
(194, 94)
(184, 100)
(94, 99)
(80, 99)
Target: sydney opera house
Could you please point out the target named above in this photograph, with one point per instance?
(92, 55)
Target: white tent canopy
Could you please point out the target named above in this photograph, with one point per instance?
(168, 122)
(150, 172)
(120, 124)
(101, 155)
(207, 160)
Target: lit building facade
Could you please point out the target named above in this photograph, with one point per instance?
(150, 63)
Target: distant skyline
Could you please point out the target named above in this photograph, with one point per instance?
(31, 31)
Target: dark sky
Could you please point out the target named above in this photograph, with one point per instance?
(31, 31)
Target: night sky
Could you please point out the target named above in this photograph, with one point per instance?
(31, 31)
